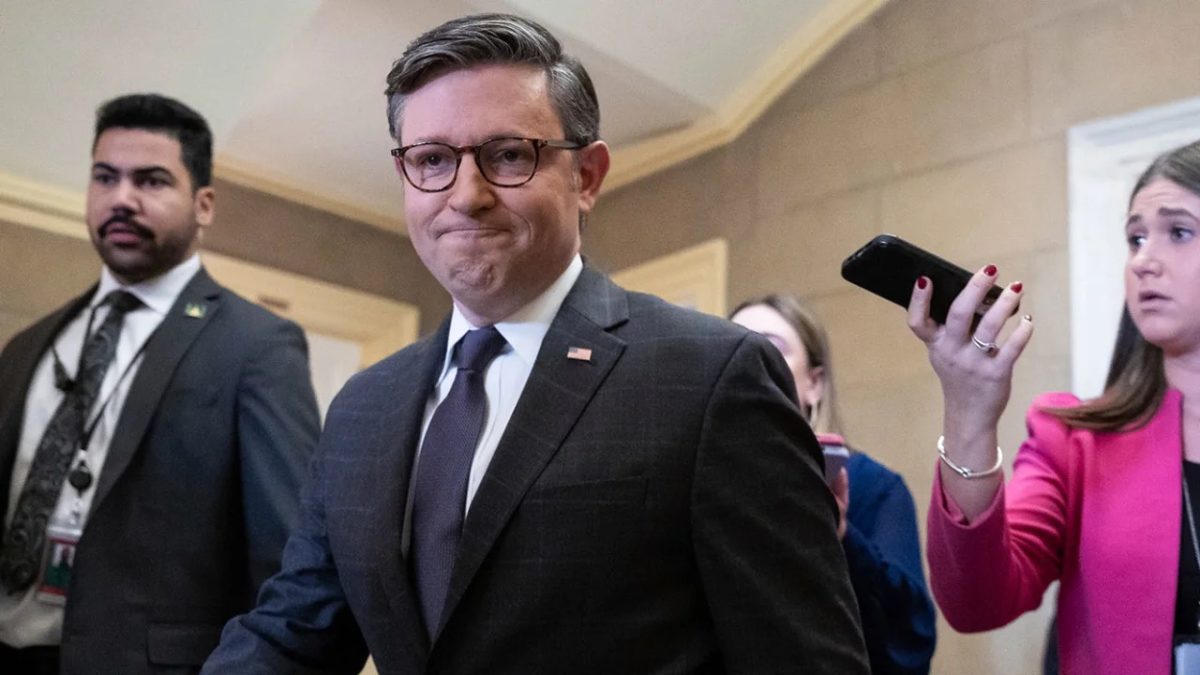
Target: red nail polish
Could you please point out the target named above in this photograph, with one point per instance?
(922, 282)
(990, 270)
(1016, 287)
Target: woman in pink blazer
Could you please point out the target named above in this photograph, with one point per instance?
(1100, 490)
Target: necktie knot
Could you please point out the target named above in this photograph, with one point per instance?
(122, 302)
(478, 347)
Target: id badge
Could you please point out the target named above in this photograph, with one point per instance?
(61, 541)
(1187, 659)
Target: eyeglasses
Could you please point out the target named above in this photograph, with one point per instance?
(503, 162)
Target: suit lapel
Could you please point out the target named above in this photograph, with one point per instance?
(25, 357)
(164, 350)
(558, 391)
(401, 414)
(1142, 467)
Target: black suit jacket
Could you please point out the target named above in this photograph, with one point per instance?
(200, 487)
(657, 509)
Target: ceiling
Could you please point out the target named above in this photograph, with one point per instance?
(293, 88)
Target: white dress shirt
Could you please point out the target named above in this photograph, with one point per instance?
(25, 621)
(504, 380)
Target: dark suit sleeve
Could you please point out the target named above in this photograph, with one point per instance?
(764, 529)
(885, 567)
(277, 427)
(302, 624)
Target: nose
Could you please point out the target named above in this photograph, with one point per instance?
(124, 196)
(1145, 261)
(471, 192)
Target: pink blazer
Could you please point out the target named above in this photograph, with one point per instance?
(1099, 511)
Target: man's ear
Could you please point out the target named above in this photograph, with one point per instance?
(203, 205)
(593, 163)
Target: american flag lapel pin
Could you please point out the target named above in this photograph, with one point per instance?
(579, 354)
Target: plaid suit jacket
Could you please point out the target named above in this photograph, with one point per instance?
(657, 509)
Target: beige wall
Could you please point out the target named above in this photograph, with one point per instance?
(271, 231)
(39, 271)
(942, 121)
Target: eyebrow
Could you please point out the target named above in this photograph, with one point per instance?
(1167, 211)
(137, 171)
(481, 141)
(773, 337)
(1135, 218)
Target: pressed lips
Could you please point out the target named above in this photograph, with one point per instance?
(468, 230)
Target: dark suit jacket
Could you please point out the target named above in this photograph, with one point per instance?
(201, 484)
(659, 509)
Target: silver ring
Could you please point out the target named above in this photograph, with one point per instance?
(988, 348)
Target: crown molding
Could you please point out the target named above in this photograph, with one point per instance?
(794, 58)
(262, 180)
(46, 207)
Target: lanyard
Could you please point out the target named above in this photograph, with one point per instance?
(80, 477)
(1187, 502)
(85, 436)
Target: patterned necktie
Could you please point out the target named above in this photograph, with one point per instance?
(440, 490)
(25, 539)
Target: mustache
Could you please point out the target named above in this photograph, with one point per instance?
(127, 221)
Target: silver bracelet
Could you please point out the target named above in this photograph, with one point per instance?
(964, 471)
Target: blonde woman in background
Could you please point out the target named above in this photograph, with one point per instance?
(878, 518)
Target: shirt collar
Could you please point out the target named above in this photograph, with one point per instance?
(525, 329)
(159, 293)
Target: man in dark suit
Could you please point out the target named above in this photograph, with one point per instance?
(153, 432)
(566, 478)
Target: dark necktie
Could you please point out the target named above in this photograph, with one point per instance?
(25, 539)
(440, 490)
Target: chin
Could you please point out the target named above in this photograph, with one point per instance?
(1155, 335)
(1166, 338)
(469, 279)
(133, 272)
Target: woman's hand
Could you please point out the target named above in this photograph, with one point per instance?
(975, 369)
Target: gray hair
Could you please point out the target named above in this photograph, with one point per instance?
(497, 39)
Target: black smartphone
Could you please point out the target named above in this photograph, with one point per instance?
(888, 266)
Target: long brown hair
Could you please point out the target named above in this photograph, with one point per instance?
(1136, 380)
(824, 417)
(1133, 389)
